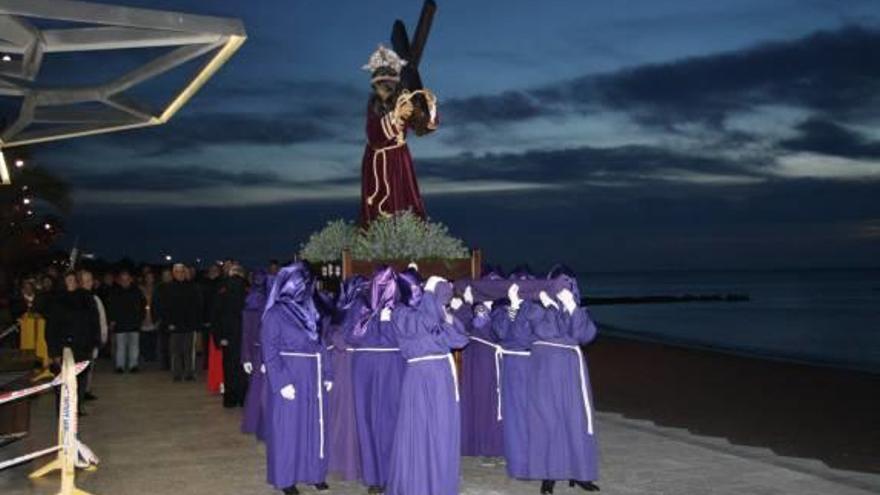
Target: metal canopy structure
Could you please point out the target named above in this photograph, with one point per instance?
(49, 113)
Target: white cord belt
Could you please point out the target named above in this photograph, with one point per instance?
(373, 349)
(500, 352)
(317, 357)
(438, 357)
(581, 364)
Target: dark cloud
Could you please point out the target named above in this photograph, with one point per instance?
(177, 178)
(830, 72)
(632, 163)
(834, 73)
(830, 138)
(192, 132)
(183, 178)
(505, 107)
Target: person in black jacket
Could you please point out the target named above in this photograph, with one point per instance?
(127, 308)
(162, 340)
(210, 285)
(71, 322)
(227, 332)
(179, 308)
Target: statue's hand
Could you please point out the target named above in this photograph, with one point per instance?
(406, 109)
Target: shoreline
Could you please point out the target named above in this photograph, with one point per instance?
(792, 409)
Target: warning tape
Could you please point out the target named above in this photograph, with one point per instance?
(19, 394)
(9, 331)
(28, 457)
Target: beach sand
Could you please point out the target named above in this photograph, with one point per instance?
(794, 410)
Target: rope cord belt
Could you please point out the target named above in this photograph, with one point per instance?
(500, 352)
(317, 357)
(393, 125)
(439, 357)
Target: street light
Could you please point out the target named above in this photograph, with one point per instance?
(168, 257)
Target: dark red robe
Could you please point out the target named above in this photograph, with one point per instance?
(388, 178)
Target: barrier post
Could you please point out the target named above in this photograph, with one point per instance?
(67, 431)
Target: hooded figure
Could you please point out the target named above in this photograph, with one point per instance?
(298, 377)
(377, 374)
(513, 334)
(344, 448)
(251, 355)
(426, 455)
(481, 426)
(409, 282)
(561, 416)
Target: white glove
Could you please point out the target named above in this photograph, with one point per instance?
(263, 369)
(567, 299)
(385, 315)
(546, 300)
(468, 295)
(488, 304)
(248, 367)
(328, 386)
(447, 317)
(413, 265)
(513, 295)
(288, 392)
(432, 282)
(455, 303)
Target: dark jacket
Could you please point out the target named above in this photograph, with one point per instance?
(229, 305)
(209, 300)
(126, 308)
(179, 307)
(71, 321)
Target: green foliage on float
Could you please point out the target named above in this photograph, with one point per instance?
(400, 236)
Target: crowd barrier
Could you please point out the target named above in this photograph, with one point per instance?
(71, 453)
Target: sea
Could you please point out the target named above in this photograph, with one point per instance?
(827, 317)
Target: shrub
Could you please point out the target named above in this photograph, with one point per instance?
(401, 236)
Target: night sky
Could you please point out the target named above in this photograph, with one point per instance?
(623, 135)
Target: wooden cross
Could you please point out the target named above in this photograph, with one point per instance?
(411, 51)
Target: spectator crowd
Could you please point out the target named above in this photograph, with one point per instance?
(175, 316)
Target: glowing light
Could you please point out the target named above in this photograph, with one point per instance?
(47, 226)
(26, 201)
(4, 172)
(7, 57)
(19, 163)
(167, 257)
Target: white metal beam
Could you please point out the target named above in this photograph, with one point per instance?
(109, 27)
(113, 38)
(114, 15)
(17, 31)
